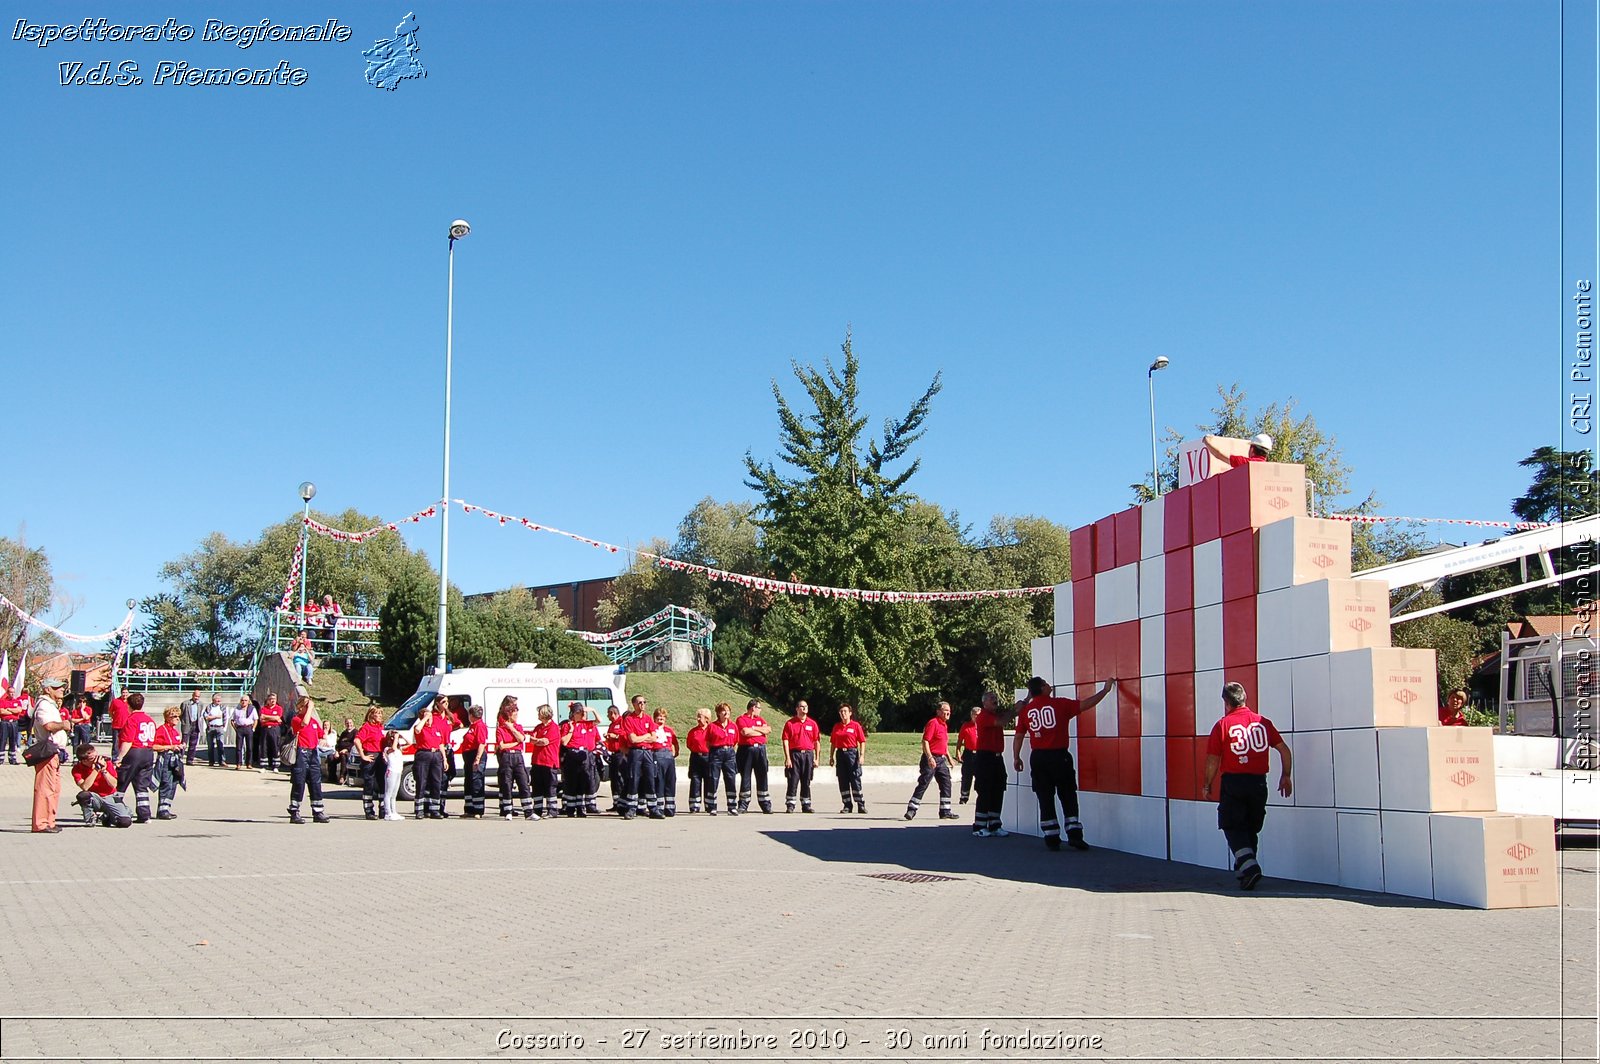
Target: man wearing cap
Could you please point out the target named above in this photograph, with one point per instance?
(1260, 446)
(49, 727)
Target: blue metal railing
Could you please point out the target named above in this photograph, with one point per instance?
(673, 624)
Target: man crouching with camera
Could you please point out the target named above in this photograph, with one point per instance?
(96, 778)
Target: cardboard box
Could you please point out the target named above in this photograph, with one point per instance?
(1081, 542)
(1179, 588)
(1042, 657)
(1193, 837)
(1105, 544)
(1152, 646)
(1181, 783)
(1274, 626)
(1206, 457)
(1208, 637)
(1180, 704)
(1273, 697)
(1176, 520)
(1083, 648)
(1105, 715)
(1355, 768)
(1152, 528)
(1116, 648)
(1063, 608)
(1313, 693)
(1314, 770)
(1208, 707)
(1180, 641)
(1494, 860)
(1130, 710)
(1126, 525)
(1436, 770)
(1153, 765)
(1208, 573)
(1152, 587)
(1334, 615)
(1387, 687)
(1302, 550)
(1407, 854)
(1204, 520)
(1083, 603)
(1238, 566)
(1116, 595)
(1255, 495)
(1142, 825)
(1239, 633)
(1061, 655)
(1360, 851)
(1153, 705)
(1300, 842)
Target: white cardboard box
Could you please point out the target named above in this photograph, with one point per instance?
(1436, 770)
(1360, 851)
(1274, 626)
(1102, 820)
(1142, 824)
(1207, 638)
(1153, 646)
(1105, 716)
(1116, 595)
(1062, 656)
(1355, 768)
(1207, 701)
(1383, 687)
(1153, 768)
(1153, 528)
(1301, 550)
(1495, 861)
(1027, 812)
(1407, 854)
(1313, 693)
(1063, 605)
(1152, 587)
(1315, 769)
(1152, 706)
(1273, 697)
(1208, 573)
(1193, 837)
(1334, 615)
(1042, 658)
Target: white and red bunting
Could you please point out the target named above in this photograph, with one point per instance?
(1374, 519)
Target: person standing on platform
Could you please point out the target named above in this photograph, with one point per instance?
(136, 734)
(474, 754)
(369, 750)
(722, 744)
(988, 754)
(193, 725)
(665, 750)
(935, 764)
(245, 718)
(168, 749)
(545, 753)
(427, 762)
(512, 780)
(966, 742)
(699, 760)
(847, 748)
(753, 732)
(307, 729)
(1043, 721)
(1238, 745)
(580, 788)
(800, 739)
(1453, 714)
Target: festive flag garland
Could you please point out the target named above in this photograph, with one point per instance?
(34, 622)
(376, 530)
(1371, 519)
(701, 625)
(295, 566)
(295, 618)
(239, 674)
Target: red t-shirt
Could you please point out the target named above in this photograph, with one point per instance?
(271, 715)
(1449, 718)
(802, 734)
(105, 786)
(83, 714)
(369, 737)
(1237, 460)
(167, 735)
(722, 734)
(430, 737)
(750, 720)
(308, 733)
(637, 730)
(1044, 719)
(10, 708)
(696, 740)
(138, 730)
(583, 735)
(988, 733)
(614, 736)
(1242, 739)
(937, 735)
(445, 725)
(671, 741)
(507, 737)
(967, 736)
(119, 714)
(476, 735)
(549, 755)
(847, 736)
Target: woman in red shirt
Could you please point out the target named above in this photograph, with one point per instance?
(307, 729)
(168, 747)
(545, 746)
(665, 753)
(369, 748)
(474, 752)
(508, 740)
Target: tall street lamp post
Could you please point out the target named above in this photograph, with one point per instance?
(458, 229)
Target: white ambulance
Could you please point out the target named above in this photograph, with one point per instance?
(596, 687)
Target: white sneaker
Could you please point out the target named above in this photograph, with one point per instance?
(510, 816)
(982, 833)
(999, 833)
(393, 816)
(534, 816)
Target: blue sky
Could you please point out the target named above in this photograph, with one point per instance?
(220, 292)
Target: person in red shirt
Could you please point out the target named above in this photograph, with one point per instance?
(935, 764)
(580, 785)
(307, 729)
(117, 712)
(96, 778)
(664, 750)
(637, 730)
(699, 760)
(847, 749)
(616, 763)
(10, 721)
(1043, 721)
(269, 726)
(474, 761)
(1260, 445)
(987, 749)
(168, 749)
(447, 721)
(966, 744)
(1238, 745)
(753, 732)
(800, 739)
(545, 748)
(1453, 714)
(369, 749)
(428, 762)
(512, 780)
(137, 735)
(722, 745)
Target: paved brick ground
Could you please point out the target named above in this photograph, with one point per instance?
(444, 935)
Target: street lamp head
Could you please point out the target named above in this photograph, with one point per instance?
(131, 604)
(458, 229)
(1160, 363)
(308, 490)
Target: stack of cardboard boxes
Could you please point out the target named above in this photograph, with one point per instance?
(1227, 579)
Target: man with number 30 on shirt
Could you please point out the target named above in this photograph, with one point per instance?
(1043, 720)
(1238, 745)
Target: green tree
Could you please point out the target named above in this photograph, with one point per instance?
(408, 627)
(513, 626)
(839, 515)
(1453, 641)
(1564, 488)
(26, 580)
